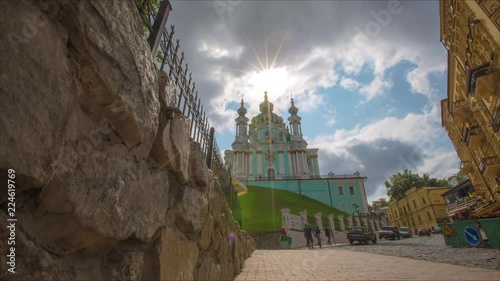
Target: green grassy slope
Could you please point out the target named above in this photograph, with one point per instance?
(261, 208)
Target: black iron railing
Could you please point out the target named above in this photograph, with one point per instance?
(154, 14)
(283, 177)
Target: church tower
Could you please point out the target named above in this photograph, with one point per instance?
(298, 152)
(241, 125)
(240, 145)
(295, 126)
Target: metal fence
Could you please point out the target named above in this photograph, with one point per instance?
(154, 16)
(305, 177)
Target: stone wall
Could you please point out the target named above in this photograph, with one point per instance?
(108, 184)
(266, 240)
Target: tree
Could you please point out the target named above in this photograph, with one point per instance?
(399, 183)
(377, 204)
(457, 178)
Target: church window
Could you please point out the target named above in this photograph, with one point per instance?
(341, 190)
(351, 190)
(342, 207)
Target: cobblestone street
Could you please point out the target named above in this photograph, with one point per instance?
(430, 249)
(418, 258)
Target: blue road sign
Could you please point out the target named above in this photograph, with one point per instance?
(472, 236)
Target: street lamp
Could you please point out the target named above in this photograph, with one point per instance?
(359, 217)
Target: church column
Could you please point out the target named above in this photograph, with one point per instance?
(301, 162)
(259, 163)
(243, 164)
(245, 160)
(242, 161)
(290, 166)
(282, 162)
(250, 164)
(317, 172)
(292, 155)
(296, 162)
(238, 166)
(304, 160)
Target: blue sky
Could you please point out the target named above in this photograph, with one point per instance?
(367, 77)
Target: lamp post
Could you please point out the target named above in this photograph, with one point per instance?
(359, 217)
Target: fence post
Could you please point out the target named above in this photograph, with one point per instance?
(210, 147)
(154, 38)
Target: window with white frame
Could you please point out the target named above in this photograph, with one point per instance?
(341, 190)
(351, 190)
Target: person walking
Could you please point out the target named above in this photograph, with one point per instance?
(328, 234)
(308, 235)
(318, 235)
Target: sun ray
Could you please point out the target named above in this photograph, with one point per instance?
(256, 55)
(267, 57)
(279, 49)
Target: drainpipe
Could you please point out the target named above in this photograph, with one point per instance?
(329, 192)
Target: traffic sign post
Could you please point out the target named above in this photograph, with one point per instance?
(472, 236)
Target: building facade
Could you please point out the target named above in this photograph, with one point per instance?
(269, 153)
(471, 112)
(420, 207)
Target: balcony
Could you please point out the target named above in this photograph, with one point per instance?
(462, 112)
(476, 137)
(465, 167)
(490, 167)
(488, 85)
(462, 205)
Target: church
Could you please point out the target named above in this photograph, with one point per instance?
(271, 153)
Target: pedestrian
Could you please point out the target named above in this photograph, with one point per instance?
(328, 235)
(308, 235)
(318, 235)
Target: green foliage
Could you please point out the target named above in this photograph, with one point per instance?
(262, 208)
(377, 204)
(399, 183)
(457, 179)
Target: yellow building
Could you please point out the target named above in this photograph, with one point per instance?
(470, 31)
(421, 207)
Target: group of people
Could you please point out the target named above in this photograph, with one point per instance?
(309, 232)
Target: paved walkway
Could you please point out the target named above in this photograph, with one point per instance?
(329, 264)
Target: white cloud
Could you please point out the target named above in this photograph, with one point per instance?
(349, 84)
(378, 86)
(419, 81)
(387, 146)
(214, 51)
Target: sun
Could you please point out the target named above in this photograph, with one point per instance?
(276, 81)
